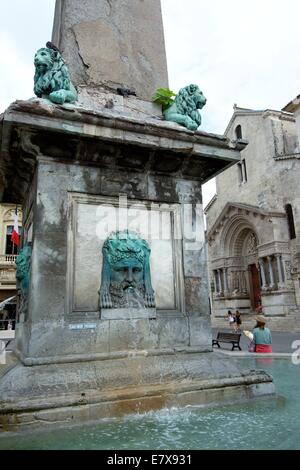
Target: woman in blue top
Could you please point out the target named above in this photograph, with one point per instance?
(262, 336)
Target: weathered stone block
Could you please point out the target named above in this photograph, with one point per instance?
(131, 335)
(103, 49)
(200, 332)
(196, 294)
(171, 332)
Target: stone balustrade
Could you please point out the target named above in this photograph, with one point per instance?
(8, 259)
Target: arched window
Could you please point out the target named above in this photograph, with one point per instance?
(243, 176)
(290, 220)
(238, 132)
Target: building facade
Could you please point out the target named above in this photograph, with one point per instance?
(253, 223)
(8, 254)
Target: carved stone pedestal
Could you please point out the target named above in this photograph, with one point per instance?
(80, 176)
(55, 395)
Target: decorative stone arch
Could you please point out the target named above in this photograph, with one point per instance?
(245, 260)
(236, 234)
(239, 244)
(8, 216)
(250, 244)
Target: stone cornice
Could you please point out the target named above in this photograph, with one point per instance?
(210, 204)
(293, 105)
(76, 119)
(263, 113)
(293, 156)
(244, 208)
(37, 128)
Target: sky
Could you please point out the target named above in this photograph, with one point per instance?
(244, 52)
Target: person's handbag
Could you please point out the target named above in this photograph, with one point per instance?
(251, 347)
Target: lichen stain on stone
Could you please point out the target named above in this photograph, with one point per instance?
(63, 213)
(60, 147)
(9, 422)
(193, 293)
(91, 181)
(138, 405)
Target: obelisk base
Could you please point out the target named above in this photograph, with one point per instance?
(64, 394)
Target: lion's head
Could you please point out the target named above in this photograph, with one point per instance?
(44, 61)
(189, 99)
(51, 73)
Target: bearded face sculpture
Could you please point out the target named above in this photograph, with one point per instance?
(126, 278)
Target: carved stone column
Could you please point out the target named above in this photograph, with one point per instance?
(262, 273)
(279, 268)
(240, 277)
(220, 280)
(244, 283)
(225, 281)
(216, 282)
(286, 275)
(272, 282)
(244, 172)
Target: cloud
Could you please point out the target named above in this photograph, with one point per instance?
(25, 27)
(15, 72)
(238, 52)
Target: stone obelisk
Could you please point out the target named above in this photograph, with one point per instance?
(111, 320)
(113, 43)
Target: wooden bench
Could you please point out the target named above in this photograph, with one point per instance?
(233, 338)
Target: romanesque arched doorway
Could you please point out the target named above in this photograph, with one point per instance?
(241, 267)
(249, 267)
(249, 254)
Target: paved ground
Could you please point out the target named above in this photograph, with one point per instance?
(282, 345)
(282, 341)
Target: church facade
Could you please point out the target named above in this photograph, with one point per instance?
(253, 223)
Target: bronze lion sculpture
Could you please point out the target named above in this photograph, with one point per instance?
(184, 110)
(52, 79)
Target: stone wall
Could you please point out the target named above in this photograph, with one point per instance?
(53, 310)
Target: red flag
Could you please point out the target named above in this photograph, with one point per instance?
(15, 237)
